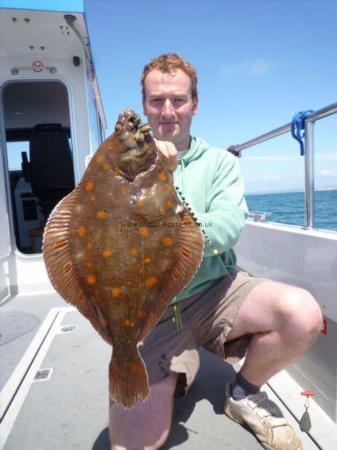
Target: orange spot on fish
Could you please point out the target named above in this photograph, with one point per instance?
(59, 244)
(162, 176)
(105, 166)
(140, 202)
(185, 252)
(81, 231)
(66, 268)
(91, 280)
(99, 158)
(106, 253)
(147, 260)
(93, 198)
(167, 241)
(133, 251)
(88, 264)
(152, 281)
(144, 231)
(141, 314)
(162, 211)
(101, 215)
(128, 323)
(169, 204)
(141, 270)
(89, 186)
(116, 292)
(89, 246)
(125, 190)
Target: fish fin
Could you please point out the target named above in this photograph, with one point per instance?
(189, 251)
(59, 263)
(190, 248)
(128, 381)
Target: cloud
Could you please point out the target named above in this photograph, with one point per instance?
(327, 157)
(272, 178)
(328, 173)
(255, 68)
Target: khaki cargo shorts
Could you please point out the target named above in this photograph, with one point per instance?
(207, 318)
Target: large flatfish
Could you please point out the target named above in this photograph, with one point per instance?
(121, 246)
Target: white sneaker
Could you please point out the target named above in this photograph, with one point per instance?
(264, 418)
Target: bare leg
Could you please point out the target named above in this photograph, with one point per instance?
(145, 426)
(283, 320)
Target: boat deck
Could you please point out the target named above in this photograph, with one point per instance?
(69, 408)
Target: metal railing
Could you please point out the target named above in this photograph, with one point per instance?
(308, 154)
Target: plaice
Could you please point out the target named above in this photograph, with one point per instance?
(121, 246)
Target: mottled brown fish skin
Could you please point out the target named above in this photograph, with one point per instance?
(130, 249)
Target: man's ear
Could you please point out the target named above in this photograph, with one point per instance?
(144, 106)
(195, 105)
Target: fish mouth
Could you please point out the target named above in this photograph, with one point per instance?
(138, 150)
(131, 129)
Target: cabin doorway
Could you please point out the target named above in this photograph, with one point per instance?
(39, 156)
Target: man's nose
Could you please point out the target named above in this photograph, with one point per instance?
(168, 109)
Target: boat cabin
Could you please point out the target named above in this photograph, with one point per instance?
(52, 121)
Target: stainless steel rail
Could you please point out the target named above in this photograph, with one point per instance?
(316, 115)
(309, 186)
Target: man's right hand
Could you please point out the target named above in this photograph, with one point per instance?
(168, 149)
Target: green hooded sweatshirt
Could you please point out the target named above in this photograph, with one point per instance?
(210, 182)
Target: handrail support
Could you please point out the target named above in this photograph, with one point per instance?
(309, 178)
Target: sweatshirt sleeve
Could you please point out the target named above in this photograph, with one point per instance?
(226, 211)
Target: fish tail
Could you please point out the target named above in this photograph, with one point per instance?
(128, 381)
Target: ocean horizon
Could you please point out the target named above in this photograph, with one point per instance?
(288, 191)
(288, 207)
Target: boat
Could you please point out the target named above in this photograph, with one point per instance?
(54, 384)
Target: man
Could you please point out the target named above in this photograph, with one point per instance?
(223, 309)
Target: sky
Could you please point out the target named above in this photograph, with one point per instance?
(258, 63)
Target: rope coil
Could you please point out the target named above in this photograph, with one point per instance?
(298, 127)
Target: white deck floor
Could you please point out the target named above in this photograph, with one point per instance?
(70, 409)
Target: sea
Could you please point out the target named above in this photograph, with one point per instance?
(288, 207)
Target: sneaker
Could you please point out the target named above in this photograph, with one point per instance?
(264, 418)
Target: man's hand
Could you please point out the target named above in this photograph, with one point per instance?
(169, 150)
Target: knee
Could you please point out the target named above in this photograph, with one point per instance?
(161, 441)
(301, 315)
(146, 426)
(155, 446)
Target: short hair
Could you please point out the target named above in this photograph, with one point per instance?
(168, 63)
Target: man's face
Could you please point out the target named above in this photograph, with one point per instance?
(169, 106)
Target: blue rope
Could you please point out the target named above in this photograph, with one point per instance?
(298, 127)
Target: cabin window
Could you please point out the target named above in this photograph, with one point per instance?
(39, 155)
